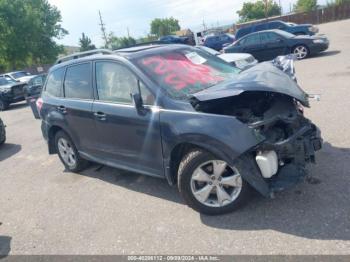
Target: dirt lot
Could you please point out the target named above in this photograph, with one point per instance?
(45, 210)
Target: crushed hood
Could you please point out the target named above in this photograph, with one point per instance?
(263, 77)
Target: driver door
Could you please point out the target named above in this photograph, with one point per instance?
(126, 138)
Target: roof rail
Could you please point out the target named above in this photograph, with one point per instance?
(141, 44)
(83, 54)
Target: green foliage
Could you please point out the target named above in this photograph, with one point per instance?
(120, 42)
(166, 26)
(305, 5)
(257, 10)
(85, 43)
(27, 32)
(147, 38)
(340, 2)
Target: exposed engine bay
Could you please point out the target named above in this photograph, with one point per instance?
(289, 139)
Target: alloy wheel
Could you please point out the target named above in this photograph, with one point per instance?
(216, 184)
(67, 152)
(300, 52)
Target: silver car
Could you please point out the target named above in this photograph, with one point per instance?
(240, 60)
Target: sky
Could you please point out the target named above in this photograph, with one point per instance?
(80, 16)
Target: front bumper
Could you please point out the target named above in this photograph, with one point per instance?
(293, 153)
(317, 48)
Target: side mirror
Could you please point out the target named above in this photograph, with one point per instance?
(279, 40)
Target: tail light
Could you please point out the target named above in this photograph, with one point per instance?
(39, 104)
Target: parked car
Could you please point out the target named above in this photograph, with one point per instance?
(173, 39)
(10, 92)
(19, 76)
(266, 45)
(34, 86)
(176, 112)
(2, 132)
(240, 60)
(303, 29)
(217, 42)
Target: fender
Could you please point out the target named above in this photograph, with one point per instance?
(224, 136)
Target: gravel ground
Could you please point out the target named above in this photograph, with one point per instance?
(45, 210)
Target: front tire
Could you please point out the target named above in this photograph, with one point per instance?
(68, 153)
(209, 185)
(301, 51)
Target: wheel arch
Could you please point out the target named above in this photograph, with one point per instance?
(51, 137)
(180, 150)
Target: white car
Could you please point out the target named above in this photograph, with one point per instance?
(240, 60)
(19, 76)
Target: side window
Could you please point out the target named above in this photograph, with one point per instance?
(77, 83)
(252, 40)
(54, 83)
(261, 27)
(115, 83)
(268, 38)
(38, 81)
(276, 25)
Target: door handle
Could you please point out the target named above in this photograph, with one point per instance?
(62, 109)
(100, 116)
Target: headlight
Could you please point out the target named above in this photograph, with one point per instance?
(313, 29)
(5, 89)
(241, 63)
(318, 41)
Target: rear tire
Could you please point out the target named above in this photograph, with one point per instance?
(2, 132)
(68, 153)
(208, 192)
(4, 105)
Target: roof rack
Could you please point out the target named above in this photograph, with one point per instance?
(83, 54)
(151, 43)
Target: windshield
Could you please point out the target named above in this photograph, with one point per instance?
(19, 74)
(185, 71)
(6, 81)
(209, 50)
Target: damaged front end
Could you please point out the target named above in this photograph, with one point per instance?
(289, 140)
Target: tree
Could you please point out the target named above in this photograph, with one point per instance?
(85, 43)
(120, 42)
(258, 10)
(27, 33)
(305, 5)
(340, 2)
(165, 26)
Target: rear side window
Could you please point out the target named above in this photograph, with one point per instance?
(54, 83)
(77, 83)
(243, 31)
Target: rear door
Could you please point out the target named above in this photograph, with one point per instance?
(77, 105)
(126, 138)
(274, 45)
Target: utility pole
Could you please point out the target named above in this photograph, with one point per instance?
(266, 6)
(127, 30)
(281, 11)
(103, 29)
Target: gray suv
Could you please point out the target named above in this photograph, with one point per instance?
(176, 112)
